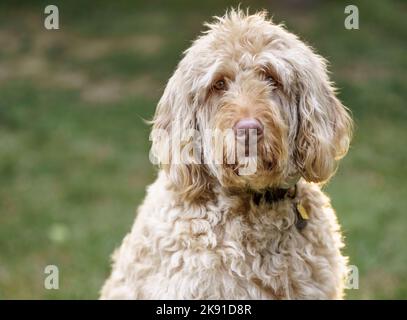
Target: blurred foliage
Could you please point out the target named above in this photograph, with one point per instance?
(74, 147)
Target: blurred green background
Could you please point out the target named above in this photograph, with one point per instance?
(74, 148)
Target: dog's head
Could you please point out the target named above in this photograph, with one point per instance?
(249, 82)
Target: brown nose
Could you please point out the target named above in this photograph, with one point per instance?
(243, 126)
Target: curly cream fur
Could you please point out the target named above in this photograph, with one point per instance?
(198, 234)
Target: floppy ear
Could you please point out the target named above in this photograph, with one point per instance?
(324, 125)
(174, 128)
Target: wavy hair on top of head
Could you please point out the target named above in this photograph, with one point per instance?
(319, 125)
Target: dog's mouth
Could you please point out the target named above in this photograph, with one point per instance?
(252, 159)
(247, 145)
(256, 164)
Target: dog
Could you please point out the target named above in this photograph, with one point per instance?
(208, 230)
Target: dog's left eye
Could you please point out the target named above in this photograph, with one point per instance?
(220, 85)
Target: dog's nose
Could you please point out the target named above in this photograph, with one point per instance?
(243, 126)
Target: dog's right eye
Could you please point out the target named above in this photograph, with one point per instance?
(220, 85)
(270, 80)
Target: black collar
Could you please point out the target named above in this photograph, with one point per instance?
(270, 196)
(273, 195)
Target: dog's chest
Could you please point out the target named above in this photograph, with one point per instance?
(260, 254)
(225, 251)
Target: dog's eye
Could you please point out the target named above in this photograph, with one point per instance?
(270, 80)
(220, 85)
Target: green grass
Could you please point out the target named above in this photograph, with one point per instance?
(74, 165)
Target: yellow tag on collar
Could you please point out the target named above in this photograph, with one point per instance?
(302, 211)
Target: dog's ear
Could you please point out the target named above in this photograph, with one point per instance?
(324, 124)
(174, 138)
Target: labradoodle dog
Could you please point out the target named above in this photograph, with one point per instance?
(219, 223)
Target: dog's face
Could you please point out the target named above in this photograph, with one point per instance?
(261, 88)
